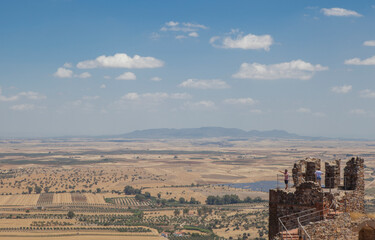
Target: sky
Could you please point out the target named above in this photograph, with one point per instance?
(89, 67)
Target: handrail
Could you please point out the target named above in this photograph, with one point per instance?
(297, 213)
(282, 224)
(300, 226)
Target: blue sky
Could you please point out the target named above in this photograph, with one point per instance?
(106, 67)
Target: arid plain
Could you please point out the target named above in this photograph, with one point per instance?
(88, 177)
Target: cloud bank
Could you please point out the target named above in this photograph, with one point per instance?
(340, 12)
(247, 42)
(296, 69)
(121, 60)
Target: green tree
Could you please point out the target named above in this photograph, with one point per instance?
(140, 197)
(176, 212)
(98, 190)
(29, 189)
(193, 201)
(71, 214)
(186, 211)
(159, 195)
(147, 195)
(37, 189)
(46, 189)
(182, 200)
(199, 211)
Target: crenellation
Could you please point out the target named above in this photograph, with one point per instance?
(332, 171)
(286, 205)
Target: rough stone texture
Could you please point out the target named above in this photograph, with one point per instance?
(354, 174)
(312, 165)
(304, 170)
(334, 229)
(367, 233)
(342, 227)
(281, 203)
(298, 172)
(352, 199)
(309, 195)
(332, 171)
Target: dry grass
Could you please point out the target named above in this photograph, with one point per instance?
(357, 215)
(147, 166)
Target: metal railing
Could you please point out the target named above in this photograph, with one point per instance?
(289, 222)
(312, 217)
(286, 230)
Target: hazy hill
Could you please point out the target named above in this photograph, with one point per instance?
(207, 132)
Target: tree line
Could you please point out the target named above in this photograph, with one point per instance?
(231, 199)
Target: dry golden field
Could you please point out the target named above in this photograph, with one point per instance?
(88, 177)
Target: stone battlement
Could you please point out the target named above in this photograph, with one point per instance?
(343, 196)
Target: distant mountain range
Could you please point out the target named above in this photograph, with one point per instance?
(209, 132)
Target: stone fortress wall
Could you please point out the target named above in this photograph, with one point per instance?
(344, 196)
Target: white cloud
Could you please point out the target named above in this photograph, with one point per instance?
(156, 79)
(201, 105)
(303, 110)
(127, 76)
(107, 77)
(194, 25)
(183, 30)
(171, 24)
(121, 60)
(29, 95)
(357, 61)
(342, 89)
(240, 101)
(84, 75)
(103, 86)
(63, 73)
(370, 43)
(68, 65)
(7, 99)
(155, 36)
(32, 95)
(156, 96)
(358, 112)
(183, 27)
(180, 96)
(340, 12)
(204, 84)
(296, 69)
(367, 93)
(23, 107)
(130, 96)
(180, 37)
(249, 41)
(193, 34)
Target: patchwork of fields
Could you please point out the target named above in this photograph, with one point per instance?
(66, 198)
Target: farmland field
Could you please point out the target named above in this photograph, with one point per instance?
(167, 185)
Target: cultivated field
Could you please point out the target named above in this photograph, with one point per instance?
(42, 180)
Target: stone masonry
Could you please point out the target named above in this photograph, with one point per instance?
(332, 171)
(346, 196)
(304, 170)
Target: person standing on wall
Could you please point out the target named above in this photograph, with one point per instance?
(318, 175)
(286, 178)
